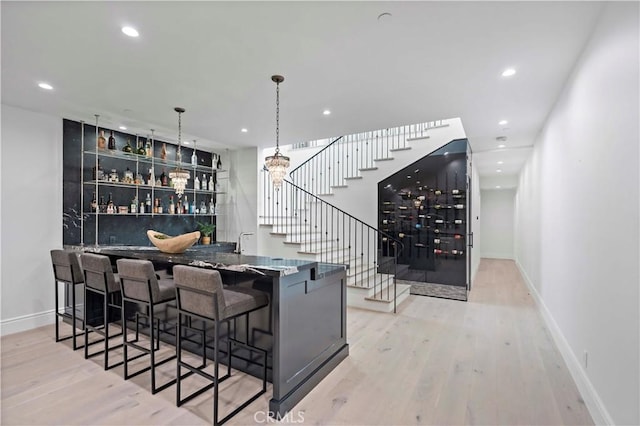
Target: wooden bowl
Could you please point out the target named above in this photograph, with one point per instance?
(169, 244)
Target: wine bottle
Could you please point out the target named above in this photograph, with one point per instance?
(163, 179)
(127, 148)
(185, 209)
(148, 204)
(112, 141)
(172, 207)
(102, 207)
(102, 141)
(111, 209)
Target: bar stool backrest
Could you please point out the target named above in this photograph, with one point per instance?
(197, 289)
(138, 280)
(66, 266)
(99, 273)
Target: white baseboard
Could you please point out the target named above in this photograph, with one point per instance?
(26, 322)
(591, 398)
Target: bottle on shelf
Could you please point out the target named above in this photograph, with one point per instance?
(185, 209)
(148, 203)
(214, 161)
(112, 142)
(111, 208)
(163, 152)
(142, 210)
(102, 207)
(196, 183)
(203, 207)
(102, 141)
(192, 207)
(194, 156)
(163, 179)
(128, 148)
(210, 186)
(212, 207)
(172, 207)
(179, 207)
(94, 203)
(139, 180)
(151, 178)
(148, 151)
(134, 205)
(140, 148)
(98, 173)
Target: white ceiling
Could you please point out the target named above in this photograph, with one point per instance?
(430, 60)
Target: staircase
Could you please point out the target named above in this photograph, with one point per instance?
(298, 220)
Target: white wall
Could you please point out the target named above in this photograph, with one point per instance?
(31, 220)
(241, 213)
(497, 223)
(577, 219)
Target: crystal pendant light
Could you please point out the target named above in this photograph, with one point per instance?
(277, 163)
(179, 176)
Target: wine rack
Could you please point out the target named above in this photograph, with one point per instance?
(426, 206)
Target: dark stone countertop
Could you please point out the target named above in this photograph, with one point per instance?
(214, 257)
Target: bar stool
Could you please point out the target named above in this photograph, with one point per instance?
(100, 279)
(201, 295)
(140, 285)
(66, 270)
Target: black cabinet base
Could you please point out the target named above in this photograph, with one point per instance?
(279, 408)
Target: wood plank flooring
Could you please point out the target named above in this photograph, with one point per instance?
(487, 361)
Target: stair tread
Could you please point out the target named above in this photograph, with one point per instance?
(381, 296)
(383, 159)
(368, 169)
(353, 177)
(406, 148)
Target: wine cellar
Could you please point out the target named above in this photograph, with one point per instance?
(426, 207)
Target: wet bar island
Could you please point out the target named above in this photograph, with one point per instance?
(304, 327)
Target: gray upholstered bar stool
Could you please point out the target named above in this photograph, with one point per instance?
(66, 270)
(100, 279)
(201, 295)
(139, 284)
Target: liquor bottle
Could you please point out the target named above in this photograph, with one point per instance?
(95, 171)
(194, 157)
(192, 207)
(151, 178)
(102, 141)
(148, 150)
(172, 207)
(155, 205)
(112, 142)
(212, 207)
(219, 163)
(163, 152)
(214, 161)
(140, 150)
(196, 183)
(127, 148)
(102, 207)
(163, 179)
(111, 209)
(147, 203)
(142, 207)
(179, 207)
(185, 209)
(211, 185)
(134, 204)
(203, 207)
(94, 203)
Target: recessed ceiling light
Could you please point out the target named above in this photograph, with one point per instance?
(503, 122)
(501, 146)
(500, 162)
(122, 128)
(186, 142)
(446, 153)
(326, 112)
(130, 31)
(45, 86)
(243, 130)
(499, 171)
(508, 72)
(498, 187)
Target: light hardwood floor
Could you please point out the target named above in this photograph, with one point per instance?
(488, 361)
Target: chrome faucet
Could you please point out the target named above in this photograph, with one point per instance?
(239, 245)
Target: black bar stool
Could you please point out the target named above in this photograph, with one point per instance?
(201, 295)
(66, 270)
(100, 279)
(140, 285)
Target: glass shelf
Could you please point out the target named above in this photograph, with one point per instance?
(152, 160)
(149, 187)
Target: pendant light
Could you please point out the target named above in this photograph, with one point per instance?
(179, 176)
(277, 163)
